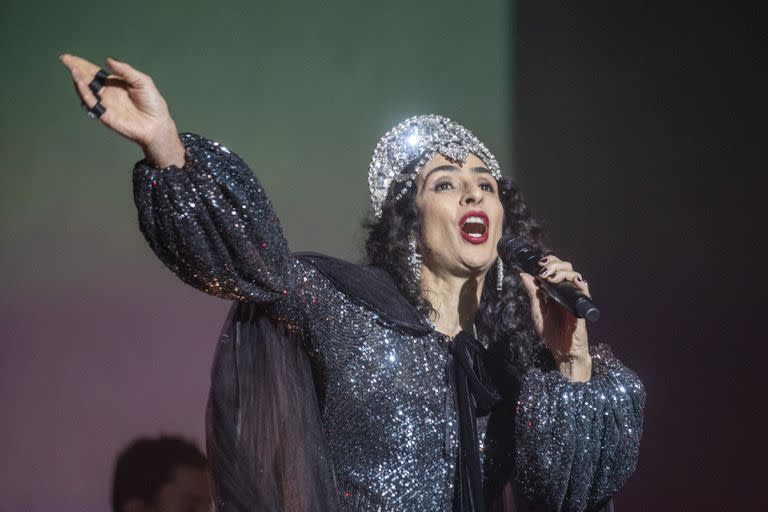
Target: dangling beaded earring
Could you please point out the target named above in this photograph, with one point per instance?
(414, 258)
(499, 274)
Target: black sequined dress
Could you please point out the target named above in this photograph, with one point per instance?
(329, 393)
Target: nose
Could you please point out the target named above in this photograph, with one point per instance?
(472, 194)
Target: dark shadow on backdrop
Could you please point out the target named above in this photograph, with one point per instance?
(636, 137)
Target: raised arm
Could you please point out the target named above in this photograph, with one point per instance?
(212, 225)
(200, 208)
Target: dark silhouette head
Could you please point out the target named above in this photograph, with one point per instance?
(164, 474)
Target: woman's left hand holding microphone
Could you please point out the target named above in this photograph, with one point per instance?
(564, 334)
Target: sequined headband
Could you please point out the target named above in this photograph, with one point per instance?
(417, 139)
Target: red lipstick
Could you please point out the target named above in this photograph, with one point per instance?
(474, 227)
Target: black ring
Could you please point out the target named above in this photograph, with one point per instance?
(96, 111)
(98, 82)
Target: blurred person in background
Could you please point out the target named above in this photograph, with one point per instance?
(163, 474)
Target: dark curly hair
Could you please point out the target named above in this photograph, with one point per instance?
(503, 318)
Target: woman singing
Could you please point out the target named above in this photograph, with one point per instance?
(434, 378)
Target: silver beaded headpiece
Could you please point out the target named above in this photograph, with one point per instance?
(417, 139)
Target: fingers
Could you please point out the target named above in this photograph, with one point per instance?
(131, 75)
(532, 286)
(555, 270)
(81, 86)
(83, 72)
(86, 71)
(73, 61)
(90, 99)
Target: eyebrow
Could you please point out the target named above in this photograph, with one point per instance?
(453, 168)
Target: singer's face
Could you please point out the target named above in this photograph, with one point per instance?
(462, 216)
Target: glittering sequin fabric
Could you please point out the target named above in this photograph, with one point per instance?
(387, 403)
(584, 433)
(387, 409)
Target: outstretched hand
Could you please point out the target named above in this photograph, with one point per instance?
(564, 334)
(133, 107)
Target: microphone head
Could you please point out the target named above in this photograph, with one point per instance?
(510, 248)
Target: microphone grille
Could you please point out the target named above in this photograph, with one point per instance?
(510, 248)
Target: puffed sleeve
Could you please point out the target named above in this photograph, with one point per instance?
(211, 223)
(577, 442)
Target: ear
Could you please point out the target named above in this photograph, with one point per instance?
(133, 505)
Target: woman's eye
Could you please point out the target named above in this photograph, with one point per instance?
(444, 185)
(487, 186)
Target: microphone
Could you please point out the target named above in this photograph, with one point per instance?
(521, 253)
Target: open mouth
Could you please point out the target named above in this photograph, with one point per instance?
(474, 227)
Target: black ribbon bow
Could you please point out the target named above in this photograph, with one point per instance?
(474, 398)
